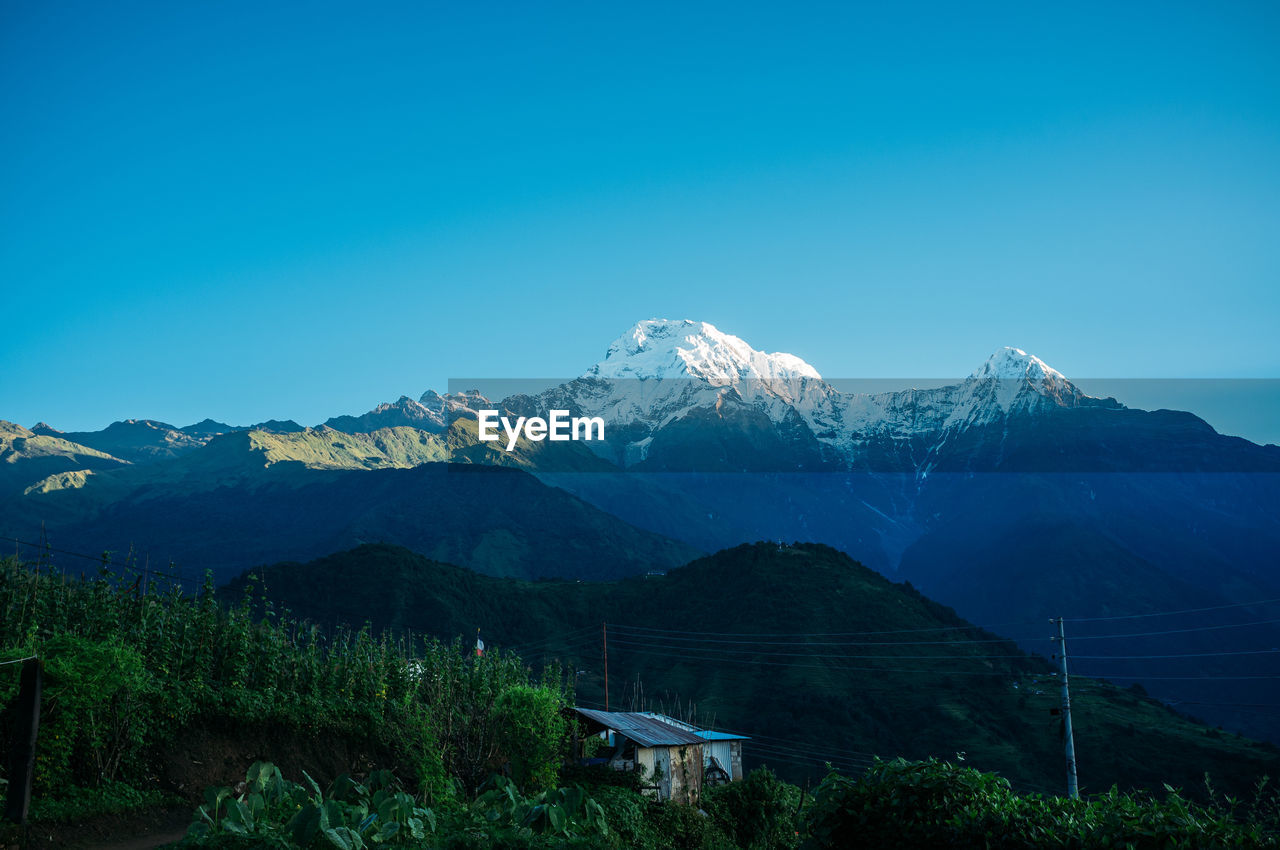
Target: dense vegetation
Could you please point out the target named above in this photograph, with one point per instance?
(130, 677)
(451, 749)
(939, 804)
(923, 683)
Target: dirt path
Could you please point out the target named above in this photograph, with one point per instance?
(138, 831)
(148, 841)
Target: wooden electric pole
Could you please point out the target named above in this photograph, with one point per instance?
(23, 752)
(1069, 742)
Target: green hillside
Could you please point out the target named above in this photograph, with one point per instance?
(884, 670)
(26, 458)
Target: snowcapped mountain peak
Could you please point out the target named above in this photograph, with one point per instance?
(1011, 363)
(666, 348)
(1011, 380)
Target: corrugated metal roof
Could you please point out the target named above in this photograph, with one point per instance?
(645, 731)
(708, 735)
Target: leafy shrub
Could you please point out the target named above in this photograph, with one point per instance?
(95, 713)
(760, 813)
(682, 827)
(628, 815)
(938, 804)
(502, 817)
(272, 811)
(530, 734)
(110, 798)
(596, 777)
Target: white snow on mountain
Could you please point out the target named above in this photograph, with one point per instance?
(1014, 363)
(663, 348)
(444, 405)
(661, 369)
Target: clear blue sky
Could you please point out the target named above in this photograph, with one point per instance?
(249, 211)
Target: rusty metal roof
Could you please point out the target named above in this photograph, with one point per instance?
(645, 731)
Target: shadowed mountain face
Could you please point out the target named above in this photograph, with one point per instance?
(490, 519)
(882, 670)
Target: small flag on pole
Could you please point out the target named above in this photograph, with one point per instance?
(479, 644)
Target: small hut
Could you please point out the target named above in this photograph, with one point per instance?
(654, 747)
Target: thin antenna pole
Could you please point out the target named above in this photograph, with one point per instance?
(1073, 789)
(604, 628)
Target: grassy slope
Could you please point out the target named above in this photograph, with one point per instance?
(242, 457)
(255, 496)
(26, 458)
(827, 708)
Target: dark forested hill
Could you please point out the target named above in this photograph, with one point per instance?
(492, 519)
(879, 670)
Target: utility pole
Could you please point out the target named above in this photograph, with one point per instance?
(22, 757)
(1073, 789)
(604, 628)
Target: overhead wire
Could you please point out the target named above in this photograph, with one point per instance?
(100, 559)
(1174, 655)
(624, 642)
(822, 634)
(1255, 604)
(685, 656)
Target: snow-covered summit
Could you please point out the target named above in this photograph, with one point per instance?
(662, 370)
(1012, 379)
(666, 348)
(1015, 364)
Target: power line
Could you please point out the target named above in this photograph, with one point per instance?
(1177, 703)
(101, 559)
(682, 656)
(571, 637)
(1176, 631)
(817, 686)
(825, 634)
(1173, 613)
(1188, 678)
(675, 637)
(810, 747)
(761, 746)
(844, 643)
(1175, 655)
(1021, 655)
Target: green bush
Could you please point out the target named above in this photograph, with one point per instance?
(683, 827)
(938, 804)
(531, 731)
(628, 815)
(278, 813)
(760, 813)
(96, 709)
(110, 798)
(275, 812)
